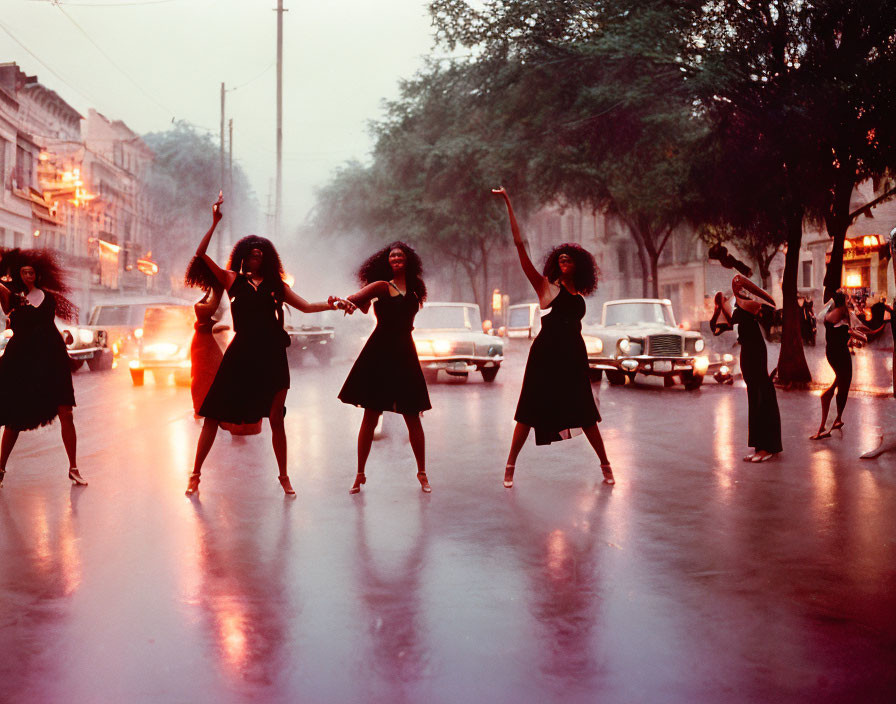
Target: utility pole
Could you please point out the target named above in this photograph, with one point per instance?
(223, 181)
(278, 192)
(230, 221)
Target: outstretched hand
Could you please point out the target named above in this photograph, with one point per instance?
(216, 207)
(346, 306)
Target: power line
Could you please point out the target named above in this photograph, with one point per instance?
(107, 4)
(252, 80)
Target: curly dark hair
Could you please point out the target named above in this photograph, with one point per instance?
(50, 277)
(586, 271)
(271, 266)
(377, 268)
(199, 275)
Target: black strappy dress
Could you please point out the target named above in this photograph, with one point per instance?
(387, 374)
(35, 375)
(254, 367)
(556, 396)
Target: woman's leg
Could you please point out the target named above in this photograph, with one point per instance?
(365, 440)
(844, 381)
(69, 436)
(203, 447)
(278, 438)
(418, 445)
(826, 397)
(10, 435)
(597, 442)
(520, 433)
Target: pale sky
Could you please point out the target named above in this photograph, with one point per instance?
(341, 59)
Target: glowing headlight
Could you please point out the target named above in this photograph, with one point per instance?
(161, 349)
(624, 345)
(593, 345)
(424, 347)
(724, 370)
(701, 364)
(441, 347)
(138, 333)
(85, 336)
(699, 345)
(727, 357)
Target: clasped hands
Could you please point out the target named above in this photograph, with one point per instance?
(343, 304)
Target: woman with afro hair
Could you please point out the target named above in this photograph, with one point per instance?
(556, 398)
(34, 370)
(387, 374)
(253, 378)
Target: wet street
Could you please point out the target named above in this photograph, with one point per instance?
(697, 578)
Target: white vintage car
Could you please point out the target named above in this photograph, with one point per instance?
(640, 336)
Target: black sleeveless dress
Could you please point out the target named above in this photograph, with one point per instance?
(836, 350)
(556, 395)
(387, 375)
(254, 367)
(35, 376)
(763, 417)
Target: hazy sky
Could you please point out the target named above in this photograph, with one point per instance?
(341, 59)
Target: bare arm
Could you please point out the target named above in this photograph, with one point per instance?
(224, 277)
(539, 282)
(299, 303)
(209, 304)
(362, 298)
(721, 317)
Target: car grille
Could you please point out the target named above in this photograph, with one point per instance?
(664, 345)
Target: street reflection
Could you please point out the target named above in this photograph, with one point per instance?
(563, 565)
(389, 585)
(723, 445)
(241, 586)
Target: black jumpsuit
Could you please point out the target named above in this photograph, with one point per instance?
(764, 419)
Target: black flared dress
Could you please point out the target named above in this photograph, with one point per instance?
(387, 375)
(35, 375)
(836, 350)
(556, 396)
(254, 367)
(763, 417)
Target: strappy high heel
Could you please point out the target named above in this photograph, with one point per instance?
(360, 479)
(192, 484)
(76, 477)
(508, 475)
(286, 484)
(607, 471)
(424, 483)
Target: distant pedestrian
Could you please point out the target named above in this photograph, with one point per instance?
(253, 378)
(387, 374)
(763, 417)
(35, 372)
(556, 398)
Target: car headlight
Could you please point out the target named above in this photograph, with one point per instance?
(593, 345)
(701, 364)
(162, 349)
(86, 337)
(442, 347)
(424, 347)
(727, 357)
(699, 345)
(624, 345)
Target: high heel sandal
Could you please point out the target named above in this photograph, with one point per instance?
(508, 475)
(286, 484)
(192, 484)
(360, 479)
(76, 477)
(837, 425)
(424, 483)
(607, 471)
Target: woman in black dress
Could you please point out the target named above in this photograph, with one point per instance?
(837, 333)
(35, 376)
(764, 419)
(387, 375)
(556, 398)
(253, 378)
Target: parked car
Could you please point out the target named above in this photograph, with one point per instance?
(86, 343)
(163, 348)
(317, 340)
(639, 336)
(122, 319)
(523, 320)
(449, 338)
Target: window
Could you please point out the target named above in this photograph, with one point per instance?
(24, 168)
(3, 182)
(17, 239)
(623, 261)
(806, 271)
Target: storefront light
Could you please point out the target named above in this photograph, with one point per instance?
(853, 280)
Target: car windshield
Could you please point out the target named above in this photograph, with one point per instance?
(519, 317)
(633, 313)
(448, 318)
(112, 315)
(168, 322)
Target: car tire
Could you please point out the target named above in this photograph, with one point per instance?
(102, 362)
(489, 374)
(692, 381)
(138, 377)
(595, 375)
(75, 364)
(616, 378)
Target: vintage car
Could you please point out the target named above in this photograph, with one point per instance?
(122, 319)
(163, 348)
(639, 336)
(449, 338)
(523, 320)
(86, 343)
(317, 340)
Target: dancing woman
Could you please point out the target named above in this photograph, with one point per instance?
(253, 378)
(35, 375)
(764, 419)
(387, 375)
(837, 333)
(556, 397)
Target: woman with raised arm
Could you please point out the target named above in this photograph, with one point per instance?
(253, 378)
(763, 417)
(35, 376)
(387, 374)
(837, 333)
(556, 398)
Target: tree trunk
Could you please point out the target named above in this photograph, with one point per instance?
(837, 223)
(792, 368)
(654, 278)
